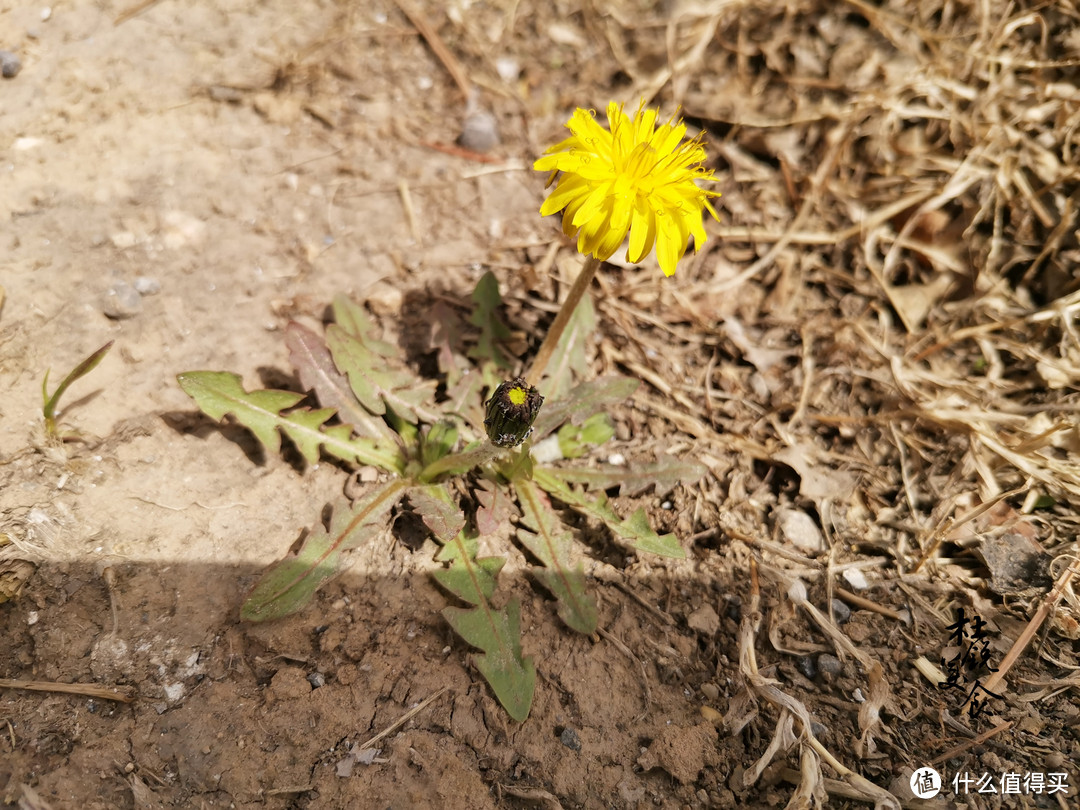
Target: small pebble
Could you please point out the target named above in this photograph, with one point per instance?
(508, 68)
(666, 505)
(570, 739)
(856, 579)
(710, 690)
(316, 679)
(841, 612)
(10, 65)
(805, 665)
(829, 665)
(144, 285)
(121, 301)
(818, 729)
(480, 132)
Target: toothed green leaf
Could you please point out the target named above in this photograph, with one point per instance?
(290, 584)
(351, 317)
(218, 393)
(551, 544)
(575, 441)
(375, 383)
(664, 473)
(315, 367)
(635, 529)
(498, 633)
(583, 401)
(438, 510)
(486, 315)
(471, 581)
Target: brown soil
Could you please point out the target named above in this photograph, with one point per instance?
(255, 159)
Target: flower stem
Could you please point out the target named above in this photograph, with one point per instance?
(558, 326)
(458, 463)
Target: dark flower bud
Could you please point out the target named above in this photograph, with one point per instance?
(511, 411)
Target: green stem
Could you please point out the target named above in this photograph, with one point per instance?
(573, 298)
(459, 462)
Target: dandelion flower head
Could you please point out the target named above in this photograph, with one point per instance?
(634, 178)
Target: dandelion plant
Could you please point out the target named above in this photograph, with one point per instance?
(366, 406)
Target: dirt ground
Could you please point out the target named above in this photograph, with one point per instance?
(875, 356)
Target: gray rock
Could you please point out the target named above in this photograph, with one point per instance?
(481, 131)
(121, 301)
(840, 611)
(570, 739)
(829, 665)
(10, 65)
(805, 665)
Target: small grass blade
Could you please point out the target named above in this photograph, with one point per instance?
(49, 403)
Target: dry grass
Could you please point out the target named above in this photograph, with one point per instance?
(888, 312)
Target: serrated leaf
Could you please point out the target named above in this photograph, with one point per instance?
(470, 580)
(569, 357)
(575, 440)
(218, 393)
(464, 399)
(496, 506)
(289, 585)
(436, 507)
(316, 370)
(511, 676)
(551, 544)
(634, 529)
(583, 401)
(375, 383)
(664, 474)
(447, 329)
(486, 316)
(352, 318)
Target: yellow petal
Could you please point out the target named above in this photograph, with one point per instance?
(642, 234)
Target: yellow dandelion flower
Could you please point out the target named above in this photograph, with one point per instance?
(635, 178)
